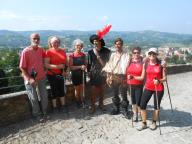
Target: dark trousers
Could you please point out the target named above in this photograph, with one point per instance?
(147, 94)
(120, 89)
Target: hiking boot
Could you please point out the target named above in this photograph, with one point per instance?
(42, 119)
(142, 127)
(115, 111)
(127, 113)
(153, 126)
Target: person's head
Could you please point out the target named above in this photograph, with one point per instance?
(54, 42)
(152, 54)
(35, 39)
(98, 43)
(78, 45)
(136, 52)
(118, 44)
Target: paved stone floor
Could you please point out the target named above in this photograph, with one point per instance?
(101, 128)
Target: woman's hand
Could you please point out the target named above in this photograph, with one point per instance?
(156, 81)
(83, 67)
(130, 77)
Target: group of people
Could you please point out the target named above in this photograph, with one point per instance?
(141, 77)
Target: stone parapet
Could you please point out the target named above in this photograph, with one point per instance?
(15, 106)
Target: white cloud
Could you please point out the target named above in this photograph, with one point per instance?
(34, 22)
(5, 14)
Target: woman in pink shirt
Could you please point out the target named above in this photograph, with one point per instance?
(154, 75)
(135, 86)
(55, 62)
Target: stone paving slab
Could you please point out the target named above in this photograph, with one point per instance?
(101, 128)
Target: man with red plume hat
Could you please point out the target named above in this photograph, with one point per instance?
(97, 58)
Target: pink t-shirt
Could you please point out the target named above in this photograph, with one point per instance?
(134, 69)
(33, 59)
(56, 57)
(152, 72)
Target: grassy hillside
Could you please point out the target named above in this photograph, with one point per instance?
(17, 39)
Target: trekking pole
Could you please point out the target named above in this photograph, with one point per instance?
(169, 96)
(131, 105)
(83, 98)
(65, 91)
(158, 107)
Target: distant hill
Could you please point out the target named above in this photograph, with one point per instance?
(145, 39)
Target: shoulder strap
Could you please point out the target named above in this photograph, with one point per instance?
(116, 64)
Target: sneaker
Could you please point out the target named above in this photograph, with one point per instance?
(153, 126)
(127, 114)
(36, 118)
(142, 127)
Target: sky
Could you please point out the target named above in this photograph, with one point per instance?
(173, 16)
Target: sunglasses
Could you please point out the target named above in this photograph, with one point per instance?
(152, 53)
(136, 52)
(36, 39)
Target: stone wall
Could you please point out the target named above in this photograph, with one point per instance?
(174, 69)
(15, 107)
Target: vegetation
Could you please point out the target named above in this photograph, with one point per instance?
(9, 61)
(145, 39)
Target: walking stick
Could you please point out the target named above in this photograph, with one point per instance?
(169, 96)
(65, 91)
(83, 100)
(131, 104)
(158, 107)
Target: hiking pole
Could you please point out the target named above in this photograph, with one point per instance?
(158, 107)
(65, 91)
(131, 104)
(169, 96)
(83, 98)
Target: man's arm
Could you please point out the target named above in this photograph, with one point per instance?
(27, 77)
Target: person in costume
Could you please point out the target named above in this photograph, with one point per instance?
(97, 58)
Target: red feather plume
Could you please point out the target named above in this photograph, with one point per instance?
(104, 31)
